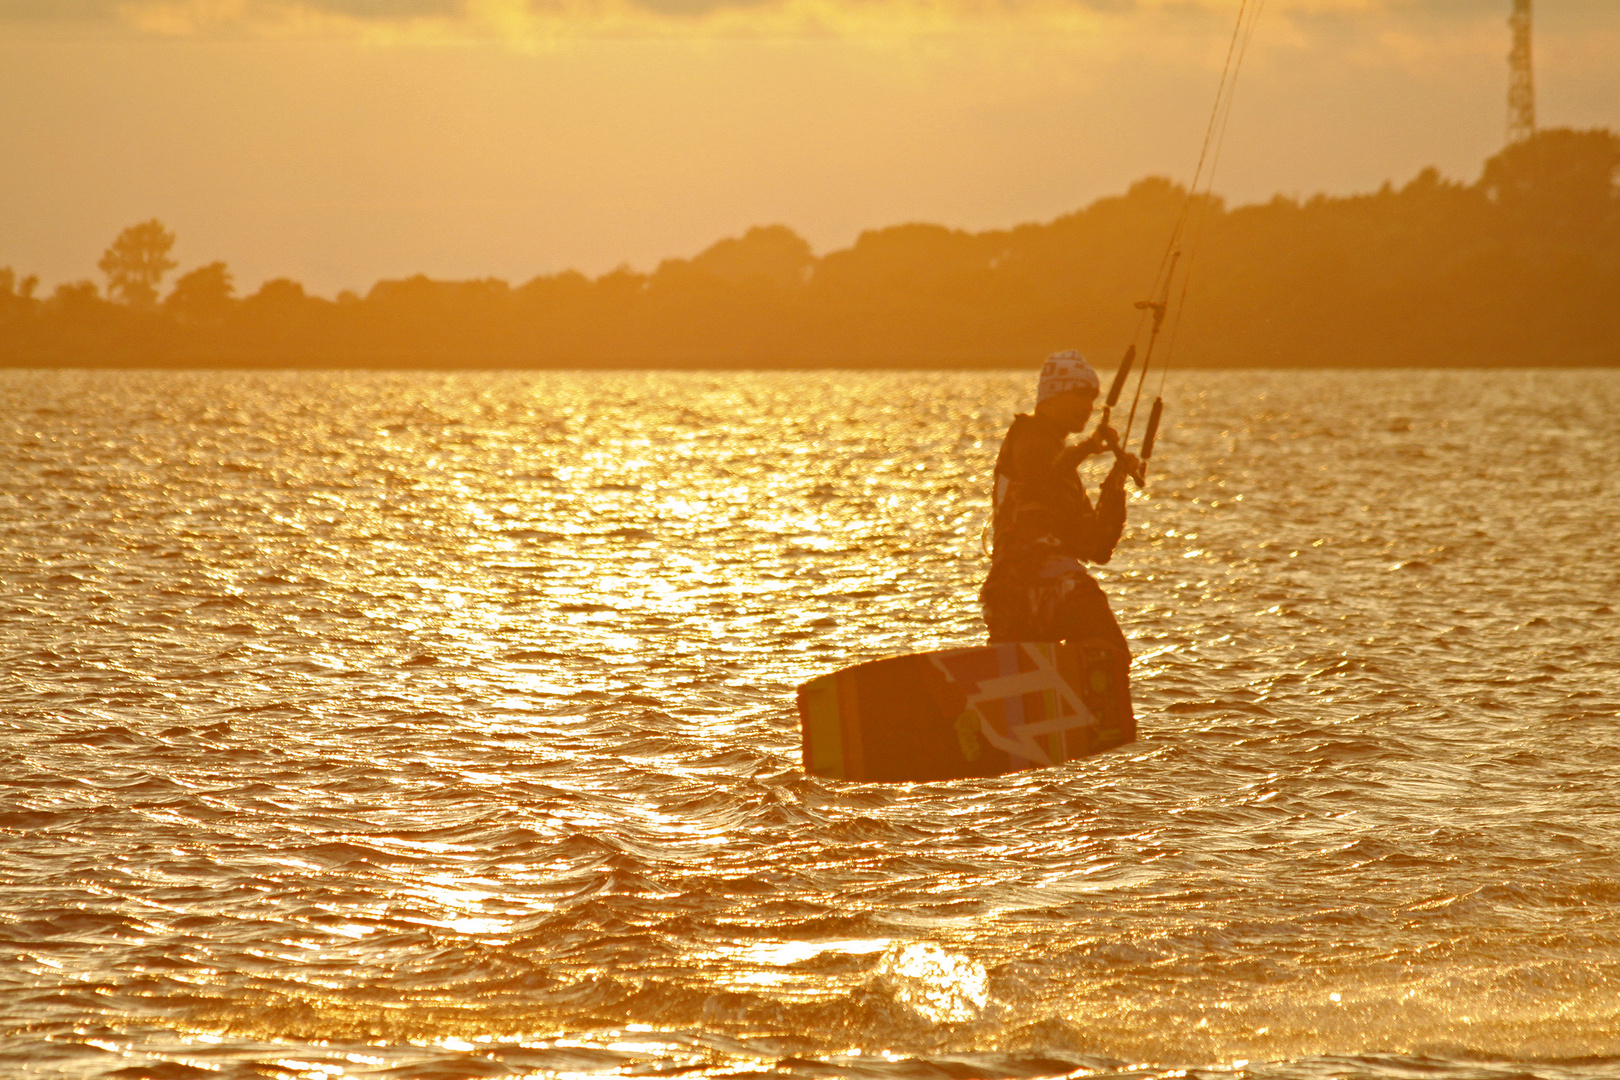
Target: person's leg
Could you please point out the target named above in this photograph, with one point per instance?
(1008, 600)
(1007, 618)
(1084, 615)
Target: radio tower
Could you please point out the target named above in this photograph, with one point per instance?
(1521, 77)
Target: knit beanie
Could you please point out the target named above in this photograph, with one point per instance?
(1066, 370)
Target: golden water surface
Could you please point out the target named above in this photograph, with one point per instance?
(435, 726)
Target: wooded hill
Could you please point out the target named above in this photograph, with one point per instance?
(1521, 267)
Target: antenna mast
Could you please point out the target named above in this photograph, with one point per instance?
(1521, 77)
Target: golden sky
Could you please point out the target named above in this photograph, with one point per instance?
(341, 141)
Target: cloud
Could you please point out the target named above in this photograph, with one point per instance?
(287, 18)
(537, 22)
(484, 13)
(55, 10)
(426, 21)
(249, 16)
(64, 10)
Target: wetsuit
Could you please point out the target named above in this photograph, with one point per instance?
(1043, 530)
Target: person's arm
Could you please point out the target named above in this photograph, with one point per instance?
(1046, 472)
(1074, 456)
(1100, 527)
(1108, 520)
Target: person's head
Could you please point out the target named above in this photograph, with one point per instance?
(1067, 389)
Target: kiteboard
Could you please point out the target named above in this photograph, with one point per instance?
(961, 713)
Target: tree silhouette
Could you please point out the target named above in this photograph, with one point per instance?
(77, 301)
(772, 253)
(16, 295)
(136, 263)
(203, 295)
(1521, 267)
(1558, 179)
(278, 294)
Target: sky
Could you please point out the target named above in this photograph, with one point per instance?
(339, 142)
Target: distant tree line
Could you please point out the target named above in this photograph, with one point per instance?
(1521, 267)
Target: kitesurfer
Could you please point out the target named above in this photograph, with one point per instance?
(1044, 527)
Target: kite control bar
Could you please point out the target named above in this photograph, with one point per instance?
(1106, 434)
(1119, 382)
(1147, 438)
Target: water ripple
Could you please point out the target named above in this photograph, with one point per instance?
(433, 725)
